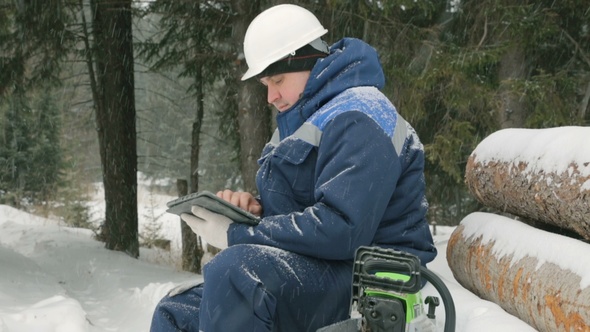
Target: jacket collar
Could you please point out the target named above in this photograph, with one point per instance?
(351, 63)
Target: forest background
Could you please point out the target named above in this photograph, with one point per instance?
(99, 90)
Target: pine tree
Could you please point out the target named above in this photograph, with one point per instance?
(458, 71)
(15, 152)
(34, 39)
(46, 153)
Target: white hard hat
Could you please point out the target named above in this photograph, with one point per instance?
(276, 33)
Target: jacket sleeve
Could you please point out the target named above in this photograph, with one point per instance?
(356, 174)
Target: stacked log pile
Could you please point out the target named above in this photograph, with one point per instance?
(546, 178)
(538, 175)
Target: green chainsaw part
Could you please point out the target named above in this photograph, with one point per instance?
(412, 301)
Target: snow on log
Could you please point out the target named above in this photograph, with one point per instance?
(539, 174)
(540, 277)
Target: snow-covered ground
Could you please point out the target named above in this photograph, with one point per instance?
(56, 278)
(59, 279)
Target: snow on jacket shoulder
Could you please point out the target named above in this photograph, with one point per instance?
(349, 174)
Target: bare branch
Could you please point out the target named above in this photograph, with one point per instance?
(578, 48)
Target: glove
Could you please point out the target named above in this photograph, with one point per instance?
(210, 226)
(183, 287)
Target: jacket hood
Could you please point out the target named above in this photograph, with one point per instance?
(351, 63)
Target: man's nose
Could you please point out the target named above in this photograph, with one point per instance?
(272, 94)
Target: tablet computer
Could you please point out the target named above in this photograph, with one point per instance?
(211, 202)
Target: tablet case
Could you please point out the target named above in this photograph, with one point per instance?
(212, 203)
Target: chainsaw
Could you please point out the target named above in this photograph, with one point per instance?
(386, 295)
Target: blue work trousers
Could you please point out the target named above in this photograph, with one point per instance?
(257, 288)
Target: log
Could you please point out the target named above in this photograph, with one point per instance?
(540, 277)
(539, 174)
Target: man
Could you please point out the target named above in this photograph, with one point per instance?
(342, 170)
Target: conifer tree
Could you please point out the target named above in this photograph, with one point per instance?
(35, 40)
(46, 153)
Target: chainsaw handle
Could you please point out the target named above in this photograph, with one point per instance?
(445, 295)
(373, 266)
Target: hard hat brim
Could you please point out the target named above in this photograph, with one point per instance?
(255, 70)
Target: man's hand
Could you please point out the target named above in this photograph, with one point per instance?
(211, 227)
(242, 199)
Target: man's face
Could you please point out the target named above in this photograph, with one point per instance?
(283, 90)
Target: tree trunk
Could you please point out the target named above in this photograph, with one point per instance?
(582, 111)
(421, 60)
(15, 128)
(535, 191)
(541, 293)
(253, 114)
(115, 117)
(192, 252)
(512, 108)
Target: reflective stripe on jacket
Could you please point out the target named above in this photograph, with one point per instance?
(343, 169)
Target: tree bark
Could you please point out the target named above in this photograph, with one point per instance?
(541, 293)
(582, 111)
(192, 251)
(512, 107)
(115, 118)
(421, 60)
(253, 114)
(557, 198)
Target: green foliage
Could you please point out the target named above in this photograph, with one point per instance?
(186, 48)
(417, 13)
(75, 214)
(35, 40)
(46, 153)
(151, 235)
(34, 35)
(442, 71)
(446, 149)
(30, 154)
(70, 202)
(15, 148)
(190, 34)
(545, 94)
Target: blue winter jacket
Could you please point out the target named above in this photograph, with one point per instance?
(343, 169)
